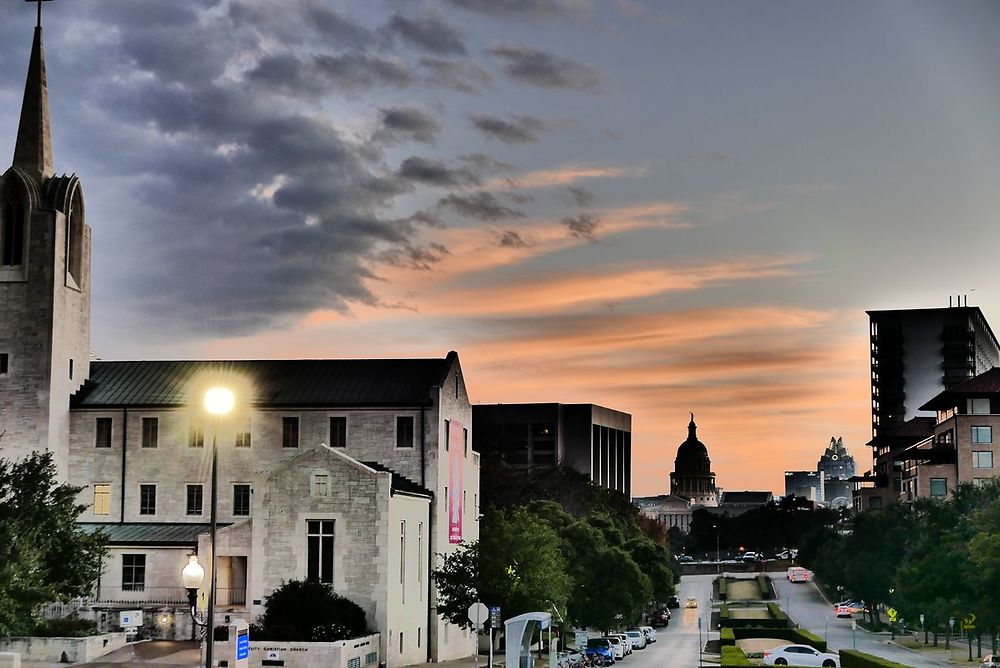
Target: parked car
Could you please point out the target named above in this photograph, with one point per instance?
(629, 646)
(638, 638)
(685, 559)
(991, 661)
(690, 602)
(749, 557)
(662, 616)
(649, 632)
(800, 655)
(673, 602)
(599, 650)
(617, 646)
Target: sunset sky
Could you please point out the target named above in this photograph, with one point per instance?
(660, 207)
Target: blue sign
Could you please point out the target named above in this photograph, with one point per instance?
(243, 645)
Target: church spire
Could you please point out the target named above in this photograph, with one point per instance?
(33, 150)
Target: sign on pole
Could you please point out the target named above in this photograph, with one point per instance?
(478, 613)
(495, 617)
(892, 614)
(969, 623)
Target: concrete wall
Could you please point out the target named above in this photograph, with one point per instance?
(52, 649)
(310, 654)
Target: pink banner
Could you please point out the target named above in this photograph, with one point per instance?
(456, 462)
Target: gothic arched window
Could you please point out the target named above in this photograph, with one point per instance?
(12, 226)
(74, 238)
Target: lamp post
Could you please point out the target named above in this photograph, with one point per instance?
(892, 620)
(193, 575)
(219, 401)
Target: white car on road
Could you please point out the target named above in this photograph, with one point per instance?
(637, 637)
(618, 647)
(800, 655)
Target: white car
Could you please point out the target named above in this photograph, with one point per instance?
(800, 655)
(637, 637)
(690, 602)
(617, 646)
(626, 641)
(649, 632)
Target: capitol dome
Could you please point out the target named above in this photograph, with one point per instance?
(693, 477)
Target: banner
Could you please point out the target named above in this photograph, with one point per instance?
(456, 463)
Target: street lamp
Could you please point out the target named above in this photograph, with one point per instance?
(219, 402)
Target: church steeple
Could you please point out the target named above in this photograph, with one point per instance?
(33, 149)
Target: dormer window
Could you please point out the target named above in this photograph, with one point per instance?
(12, 227)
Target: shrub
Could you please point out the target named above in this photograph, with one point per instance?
(306, 610)
(734, 656)
(797, 636)
(851, 658)
(766, 587)
(776, 612)
(722, 588)
(65, 627)
(726, 636)
(724, 611)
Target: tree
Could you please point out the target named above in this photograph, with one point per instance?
(44, 555)
(457, 583)
(308, 610)
(655, 563)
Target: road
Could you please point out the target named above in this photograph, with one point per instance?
(803, 603)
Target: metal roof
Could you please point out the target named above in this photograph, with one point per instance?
(348, 382)
(150, 533)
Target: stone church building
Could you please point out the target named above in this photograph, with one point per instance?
(359, 473)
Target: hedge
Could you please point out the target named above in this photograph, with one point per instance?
(852, 658)
(766, 588)
(722, 588)
(726, 636)
(778, 620)
(733, 656)
(776, 612)
(724, 611)
(797, 636)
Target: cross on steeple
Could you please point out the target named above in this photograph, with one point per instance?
(39, 2)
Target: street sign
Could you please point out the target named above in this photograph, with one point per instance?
(892, 614)
(969, 623)
(243, 644)
(478, 613)
(580, 640)
(130, 618)
(854, 625)
(495, 617)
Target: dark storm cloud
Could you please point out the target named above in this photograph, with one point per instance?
(463, 75)
(325, 73)
(581, 196)
(482, 205)
(520, 129)
(400, 124)
(583, 226)
(314, 23)
(436, 173)
(428, 32)
(511, 239)
(533, 66)
(485, 165)
(545, 9)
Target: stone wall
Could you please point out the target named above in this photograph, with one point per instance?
(52, 649)
(308, 654)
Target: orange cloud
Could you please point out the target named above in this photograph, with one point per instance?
(564, 176)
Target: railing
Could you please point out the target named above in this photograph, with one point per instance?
(224, 596)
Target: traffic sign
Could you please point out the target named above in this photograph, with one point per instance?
(969, 623)
(495, 617)
(130, 618)
(478, 613)
(892, 614)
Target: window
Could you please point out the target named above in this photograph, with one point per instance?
(370, 658)
(195, 498)
(289, 432)
(4, 364)
(103, 439)
(71, 368)
(400, 642)
(982, 459)
(147, 499)
(875, 503)
(465, 440)
(102, 498)
(196, 437)
(74, 239)
(402, 560)
(243, 439)
(241, 500)
(12, 229)
(338, 431)
(979, 406)
(939, 487)
(133, 572)
(982, 434)
(319, 562)
(354, 663)
(404, 431)
(150, 432)
(321, 484)
(420, 563)
(419, 633)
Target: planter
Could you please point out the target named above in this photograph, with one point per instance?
(54, 650)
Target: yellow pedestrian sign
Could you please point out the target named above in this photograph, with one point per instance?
(969, 623)
(892, 614)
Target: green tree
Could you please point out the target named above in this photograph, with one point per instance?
(655, 563)
(457, 582)
(44, 555)
(308, 610)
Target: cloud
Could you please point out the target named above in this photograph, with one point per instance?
(463, 75)
(313, 76)
(420, 258)
(534, 9)
(583, 225)
(581, 196)
(399, 124)
(520, 129)
(545, 69)
(436, 173)
(482, 205)
(511, 239)
(565, 175)
(428, 32)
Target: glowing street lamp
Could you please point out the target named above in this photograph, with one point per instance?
(219, 402)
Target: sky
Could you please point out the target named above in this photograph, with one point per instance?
(660, 207)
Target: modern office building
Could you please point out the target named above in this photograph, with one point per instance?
(591, 439)
(915, 355)
(807, 484)
(830, 483)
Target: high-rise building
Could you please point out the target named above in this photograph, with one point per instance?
(915, 355)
